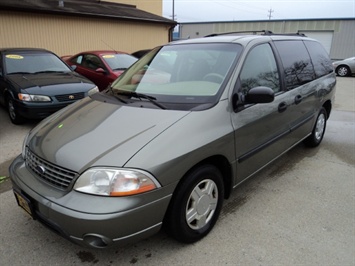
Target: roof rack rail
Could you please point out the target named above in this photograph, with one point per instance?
(254, 32)
(299, 34)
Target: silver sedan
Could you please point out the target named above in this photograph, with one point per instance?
(345, 67)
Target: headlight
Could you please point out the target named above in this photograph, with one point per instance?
(24, 144)
(115, 182)
(93, 91)
(33, 98)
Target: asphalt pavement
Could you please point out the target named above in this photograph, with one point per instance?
(299, 210)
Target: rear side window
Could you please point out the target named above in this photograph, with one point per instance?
(321, 62)
(298, 68)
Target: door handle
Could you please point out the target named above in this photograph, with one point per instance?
(298, 99)
(282, 107)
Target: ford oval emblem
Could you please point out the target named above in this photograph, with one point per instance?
(71, 97)
(40, 169)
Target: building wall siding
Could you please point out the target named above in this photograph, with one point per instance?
(68, 35)
(343, 45)
(343, 31)
(151, 6)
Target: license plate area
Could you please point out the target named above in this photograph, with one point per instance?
(24, 203)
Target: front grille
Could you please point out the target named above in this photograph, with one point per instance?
(54, 175)
(70, 97)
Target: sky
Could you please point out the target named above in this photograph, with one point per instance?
(237, 10)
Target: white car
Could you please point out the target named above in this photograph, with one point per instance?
(345, 67)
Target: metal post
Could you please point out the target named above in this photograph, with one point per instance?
(173, 9)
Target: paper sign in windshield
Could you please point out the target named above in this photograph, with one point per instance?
(14, 56)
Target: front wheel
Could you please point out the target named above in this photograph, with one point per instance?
(319, 129)
(343, 71)
(195, 205)
(13, 114)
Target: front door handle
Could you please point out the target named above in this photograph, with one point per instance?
(282, 107)
(298, 99)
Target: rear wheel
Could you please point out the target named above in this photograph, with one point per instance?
(318, 131)
(13, 114)
(196, 205)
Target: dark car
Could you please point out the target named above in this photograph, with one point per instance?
(35, 83)
(101, 67)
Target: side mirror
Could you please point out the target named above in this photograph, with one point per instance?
(73, 67)
(254, 95)
(100, 70)
(259, 95)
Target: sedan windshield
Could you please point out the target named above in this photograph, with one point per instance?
(33, 63)
(119, 61)
(181, 76)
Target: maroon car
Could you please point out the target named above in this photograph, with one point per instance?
(101, 67)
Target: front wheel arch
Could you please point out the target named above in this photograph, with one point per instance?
(196, 204)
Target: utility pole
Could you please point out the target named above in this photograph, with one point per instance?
(173, 9)
(270, 11)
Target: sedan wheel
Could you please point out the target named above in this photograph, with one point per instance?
(196, 204)
(13, 114)
(343, 71)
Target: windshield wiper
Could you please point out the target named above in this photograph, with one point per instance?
(141, 96)
(49, 71)
(120, 68)
(21, 72)
(116, 96)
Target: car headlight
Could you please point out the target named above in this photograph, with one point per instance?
(24, 144)
(115, 182)
(33, 98)
(93, 91)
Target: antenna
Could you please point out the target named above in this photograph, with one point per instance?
(109, 46)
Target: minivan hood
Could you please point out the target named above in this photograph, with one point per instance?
(94, 133)
(47, 83)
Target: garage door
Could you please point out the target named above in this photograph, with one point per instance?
(324, 37)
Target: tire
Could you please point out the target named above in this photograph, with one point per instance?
(319, 129)
(13, 114)
(196, 204)
(343, 71)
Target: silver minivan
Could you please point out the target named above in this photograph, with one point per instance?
(166, 143)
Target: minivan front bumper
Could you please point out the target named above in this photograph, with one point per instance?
(94, 229)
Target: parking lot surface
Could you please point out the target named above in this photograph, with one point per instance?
(299, 210)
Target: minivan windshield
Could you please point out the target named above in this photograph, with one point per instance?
(180, 76)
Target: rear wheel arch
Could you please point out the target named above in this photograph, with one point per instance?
(328, 107)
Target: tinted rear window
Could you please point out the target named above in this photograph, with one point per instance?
(320, 59)
(298, 68)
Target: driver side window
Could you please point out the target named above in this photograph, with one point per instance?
(92, 62)
(260, 69)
